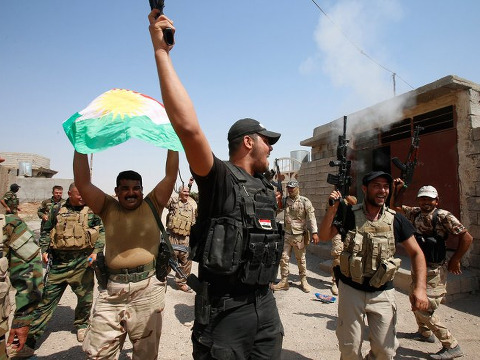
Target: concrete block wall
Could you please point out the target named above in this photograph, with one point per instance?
(469, 170)
(38, 189)
(12, 159)
(312, 176)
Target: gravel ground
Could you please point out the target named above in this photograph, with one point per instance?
(309, 324)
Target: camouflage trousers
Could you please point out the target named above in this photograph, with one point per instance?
(182, 256)
(296, 243)
(68, 268)
(134, 308)
(428, 321)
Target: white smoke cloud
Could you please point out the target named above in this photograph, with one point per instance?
(354, 26)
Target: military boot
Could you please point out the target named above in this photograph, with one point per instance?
(334, 288)
(281, 285)
(305, 287)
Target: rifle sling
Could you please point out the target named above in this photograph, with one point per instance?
(164, 236)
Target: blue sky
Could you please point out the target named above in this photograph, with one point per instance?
(281, 62)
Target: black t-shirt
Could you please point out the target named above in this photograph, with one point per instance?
(402, 229)
(215, 191)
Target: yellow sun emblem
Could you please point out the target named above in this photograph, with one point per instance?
(120, 102)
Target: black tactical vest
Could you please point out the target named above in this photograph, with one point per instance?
(246, 241)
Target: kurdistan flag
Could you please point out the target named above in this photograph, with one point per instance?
(116, 116)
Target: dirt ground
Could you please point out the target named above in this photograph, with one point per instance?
(309, 324)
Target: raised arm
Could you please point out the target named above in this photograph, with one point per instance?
(327, 230)
(397, 185)
(164, 188)
(177, 102)
(92, 195)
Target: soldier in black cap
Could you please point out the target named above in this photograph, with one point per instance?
(367, 267)
(236, 239)
(10, 200)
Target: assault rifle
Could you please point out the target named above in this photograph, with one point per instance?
(408, 167)
(342, 180)
(168, 32)
(278, 184)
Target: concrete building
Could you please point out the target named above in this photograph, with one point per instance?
(32, 172)
(448, 110)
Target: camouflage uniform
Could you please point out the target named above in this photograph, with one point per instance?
(429, 321)
(11, 199)
(45, 208)
(180, 218)
(21, 255)
(71, 234)
(299, 217)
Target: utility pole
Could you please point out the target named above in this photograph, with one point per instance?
(394, 84)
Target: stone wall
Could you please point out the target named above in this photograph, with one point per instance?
(469, 169)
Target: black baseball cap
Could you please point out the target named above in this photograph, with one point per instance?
(375, 174)
(251, 126)
(14, 187)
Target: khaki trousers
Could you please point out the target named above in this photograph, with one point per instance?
(135, 309)
(381, 312)
(296, 243)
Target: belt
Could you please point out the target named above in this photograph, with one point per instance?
(136, 274)
(225, 303)
(70, 254)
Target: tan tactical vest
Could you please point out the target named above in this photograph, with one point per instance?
(369, 249)
(295, 215)
(181, 219)
(5, 306)
(72, 231)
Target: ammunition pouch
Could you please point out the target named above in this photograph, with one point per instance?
(433, 247)
(91, 237)
(224, 246)
(345, 263)
(25, 246)
(263, 255)
(385, 272)
(72, 231)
